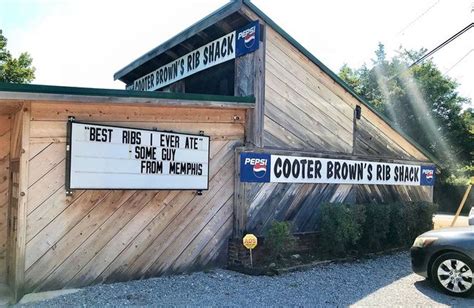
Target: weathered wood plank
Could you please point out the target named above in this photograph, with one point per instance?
(288, 139)
(42, 189)
(4, 192)
(216, 249)
(49, 158)
(15, 145)
(122, 240)
(48, 140)
(24, 154)
(57, 129)
(175, 245)
(314, 135)
(169, 206)
(336, 112)
(308, 74)
(210, 232)
(377, 141)
(250, 80)
(61, 225)
(41, 216)
(36, 148)
(112, 113)
(78, 234)
(8, 108)
(92, 246)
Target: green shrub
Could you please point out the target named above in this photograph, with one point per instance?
(373, 227)
(423, 212)
(401, 222)
(278, 239)
(408, 220)
(341, 227)
(376, 227)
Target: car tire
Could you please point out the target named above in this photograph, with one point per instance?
(453, 273)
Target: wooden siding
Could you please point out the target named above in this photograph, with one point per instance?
(387, 193)
(112, 235)
(305, 110)
(300, 111)
(5, 123)
(296, 203)
(371, 140)
(315, 101)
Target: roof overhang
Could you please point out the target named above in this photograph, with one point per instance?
(14, 93)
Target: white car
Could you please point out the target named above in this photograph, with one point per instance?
(471, 217)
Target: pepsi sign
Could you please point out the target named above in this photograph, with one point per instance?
(269, 168)
(255, 167)
(248, 39)
(427, 175)
(230, 46)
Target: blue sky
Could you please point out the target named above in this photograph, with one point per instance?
(84, 42)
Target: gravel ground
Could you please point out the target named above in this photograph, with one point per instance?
(383, 281)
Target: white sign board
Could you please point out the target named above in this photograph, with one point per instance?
(110, 157)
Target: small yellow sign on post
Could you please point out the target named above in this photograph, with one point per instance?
(250, 242)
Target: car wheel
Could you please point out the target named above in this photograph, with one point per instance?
(453, 273)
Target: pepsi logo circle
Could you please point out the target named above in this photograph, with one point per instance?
(249, 39)
(248, 36)
(260, 168)
(428, 174)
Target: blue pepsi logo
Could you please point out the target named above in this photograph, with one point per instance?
(427, 175)
(254, 167)
(248, 35)
(247, 39)
(259, 166)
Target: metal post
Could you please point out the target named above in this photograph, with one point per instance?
(251, 261)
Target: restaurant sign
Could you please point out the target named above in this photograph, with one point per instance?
(264, 167)
(113, 157)
(223, 49)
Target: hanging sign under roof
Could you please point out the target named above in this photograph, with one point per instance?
(223, 49)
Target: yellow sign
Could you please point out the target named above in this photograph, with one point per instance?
(472, 180)
(250, 241)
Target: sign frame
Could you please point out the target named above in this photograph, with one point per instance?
(260, 168)
(69, 189)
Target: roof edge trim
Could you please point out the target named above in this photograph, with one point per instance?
(47, 89)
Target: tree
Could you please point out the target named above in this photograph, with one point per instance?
(14, 70)
(422, 102)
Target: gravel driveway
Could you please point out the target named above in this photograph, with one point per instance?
(383, 281)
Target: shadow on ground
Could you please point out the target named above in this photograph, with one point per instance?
(426, 288)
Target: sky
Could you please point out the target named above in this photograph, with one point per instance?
(84, 42)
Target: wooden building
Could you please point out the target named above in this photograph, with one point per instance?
(276, 99)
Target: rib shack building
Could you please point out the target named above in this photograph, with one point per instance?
(222, 129)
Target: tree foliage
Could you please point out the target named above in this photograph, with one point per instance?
(15, 70)
(422, 102)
